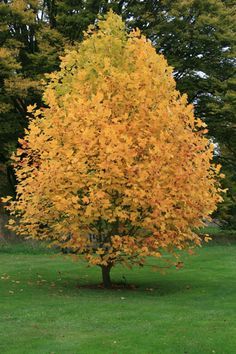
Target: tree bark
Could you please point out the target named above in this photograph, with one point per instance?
(106, 276)
(11, 178)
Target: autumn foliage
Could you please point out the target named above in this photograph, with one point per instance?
(117, 167)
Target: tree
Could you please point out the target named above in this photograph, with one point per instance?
(116, 168)
(29, 49)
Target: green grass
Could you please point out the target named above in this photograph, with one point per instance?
(186, 311)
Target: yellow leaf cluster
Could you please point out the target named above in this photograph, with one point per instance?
(117, 167)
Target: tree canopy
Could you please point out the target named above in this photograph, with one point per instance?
(115, 167)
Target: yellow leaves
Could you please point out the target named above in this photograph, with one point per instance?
(207, 238)
(100, 194)
(34, 130)
(96, 261)
(61, 203)
(6, 199)
(144, 249)
(85, 200)
(116, 241)
(135, 33)
(97, 98)
(200, 124)
(69, 153)
(157, 254)
(217, 168)
(223, 190)
(115, 168)
(121, 214)
(75, 199)
(31, 108)
(133, 216)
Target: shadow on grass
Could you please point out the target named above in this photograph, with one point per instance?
(159, 287)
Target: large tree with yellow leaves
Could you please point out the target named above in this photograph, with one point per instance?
(117, 167)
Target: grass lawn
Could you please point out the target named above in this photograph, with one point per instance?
(185, 311)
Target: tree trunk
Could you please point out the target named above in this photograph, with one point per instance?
(11, 177)
(106, 276)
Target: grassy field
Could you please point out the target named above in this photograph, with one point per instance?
(45, 306)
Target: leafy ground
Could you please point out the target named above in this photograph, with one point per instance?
(185, 311)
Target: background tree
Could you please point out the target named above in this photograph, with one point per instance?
(29, 49)
(116, 168)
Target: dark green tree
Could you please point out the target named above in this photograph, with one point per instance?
(29, 48)
(72, 17)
